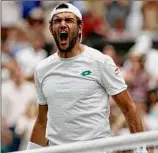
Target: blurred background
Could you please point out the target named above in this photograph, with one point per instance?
(125, 30)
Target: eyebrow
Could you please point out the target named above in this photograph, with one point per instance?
(68, 16)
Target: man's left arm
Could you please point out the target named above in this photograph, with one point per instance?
(132, 115)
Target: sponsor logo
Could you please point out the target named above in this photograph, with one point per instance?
(85, 73)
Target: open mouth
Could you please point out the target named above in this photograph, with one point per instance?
(63, 36)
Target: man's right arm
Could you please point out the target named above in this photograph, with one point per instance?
(39, 130)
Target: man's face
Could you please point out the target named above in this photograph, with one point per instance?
(65, 30)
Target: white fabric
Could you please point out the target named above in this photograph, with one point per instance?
(32, 145)
(15, 100)
(71, 9)
(28, 58)
(76, 91)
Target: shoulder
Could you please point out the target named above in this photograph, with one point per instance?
(44, 64)
(96, 55)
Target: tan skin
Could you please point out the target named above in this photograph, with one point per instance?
(123, 99)
(56, 27)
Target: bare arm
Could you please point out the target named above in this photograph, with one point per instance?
(39, 130)
(125, 102)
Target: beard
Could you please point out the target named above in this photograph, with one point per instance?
(72, 41)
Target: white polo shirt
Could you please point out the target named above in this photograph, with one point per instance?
(76, 91)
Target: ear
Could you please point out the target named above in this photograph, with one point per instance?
(81, 27)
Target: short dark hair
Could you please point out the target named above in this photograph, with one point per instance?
(63, 5)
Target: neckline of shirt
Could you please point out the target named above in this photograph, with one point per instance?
(72, 58)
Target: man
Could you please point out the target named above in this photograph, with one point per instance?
(73, 87)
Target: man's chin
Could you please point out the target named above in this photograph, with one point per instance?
(64, 48)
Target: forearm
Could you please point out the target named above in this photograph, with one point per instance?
(38, 134)
(130, 111)
(134, 120)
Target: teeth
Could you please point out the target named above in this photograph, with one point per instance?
(63, 32)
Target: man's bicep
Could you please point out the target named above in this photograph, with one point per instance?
(124, 100)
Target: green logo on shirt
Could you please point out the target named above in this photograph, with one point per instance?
(85, 73)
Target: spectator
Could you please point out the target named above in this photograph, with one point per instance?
(20, 40)
(36, 22)
(15, 93)
(137, 79)
(25, 123)
(152, 113)
(110, 50)
(116, 10)
(143, 45)
(150, 16)
(36, 19)
(28, 57)
(95, 31)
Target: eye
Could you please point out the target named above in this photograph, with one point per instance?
(56, 21)
(69, 20)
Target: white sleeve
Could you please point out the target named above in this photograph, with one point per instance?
(111, 77)
(39, 92)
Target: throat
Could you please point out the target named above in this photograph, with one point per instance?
(72, 53)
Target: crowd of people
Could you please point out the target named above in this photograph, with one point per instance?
(25, 40)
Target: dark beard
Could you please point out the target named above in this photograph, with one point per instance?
(72, 43)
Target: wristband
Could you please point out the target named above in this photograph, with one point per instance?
(141, 149)
(32, 145)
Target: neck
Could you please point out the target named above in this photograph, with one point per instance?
(77, 49)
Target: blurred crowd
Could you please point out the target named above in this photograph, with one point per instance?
(25, 40)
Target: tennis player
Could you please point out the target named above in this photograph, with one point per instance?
(73, 86)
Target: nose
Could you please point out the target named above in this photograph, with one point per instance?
(63, 23)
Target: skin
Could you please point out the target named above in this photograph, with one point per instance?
(39, 130)
(123, 99)
(72, 47)
(128, 107)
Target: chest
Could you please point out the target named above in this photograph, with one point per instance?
(70, 83)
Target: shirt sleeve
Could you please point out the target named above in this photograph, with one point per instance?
(111, 77)
(39, 92)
